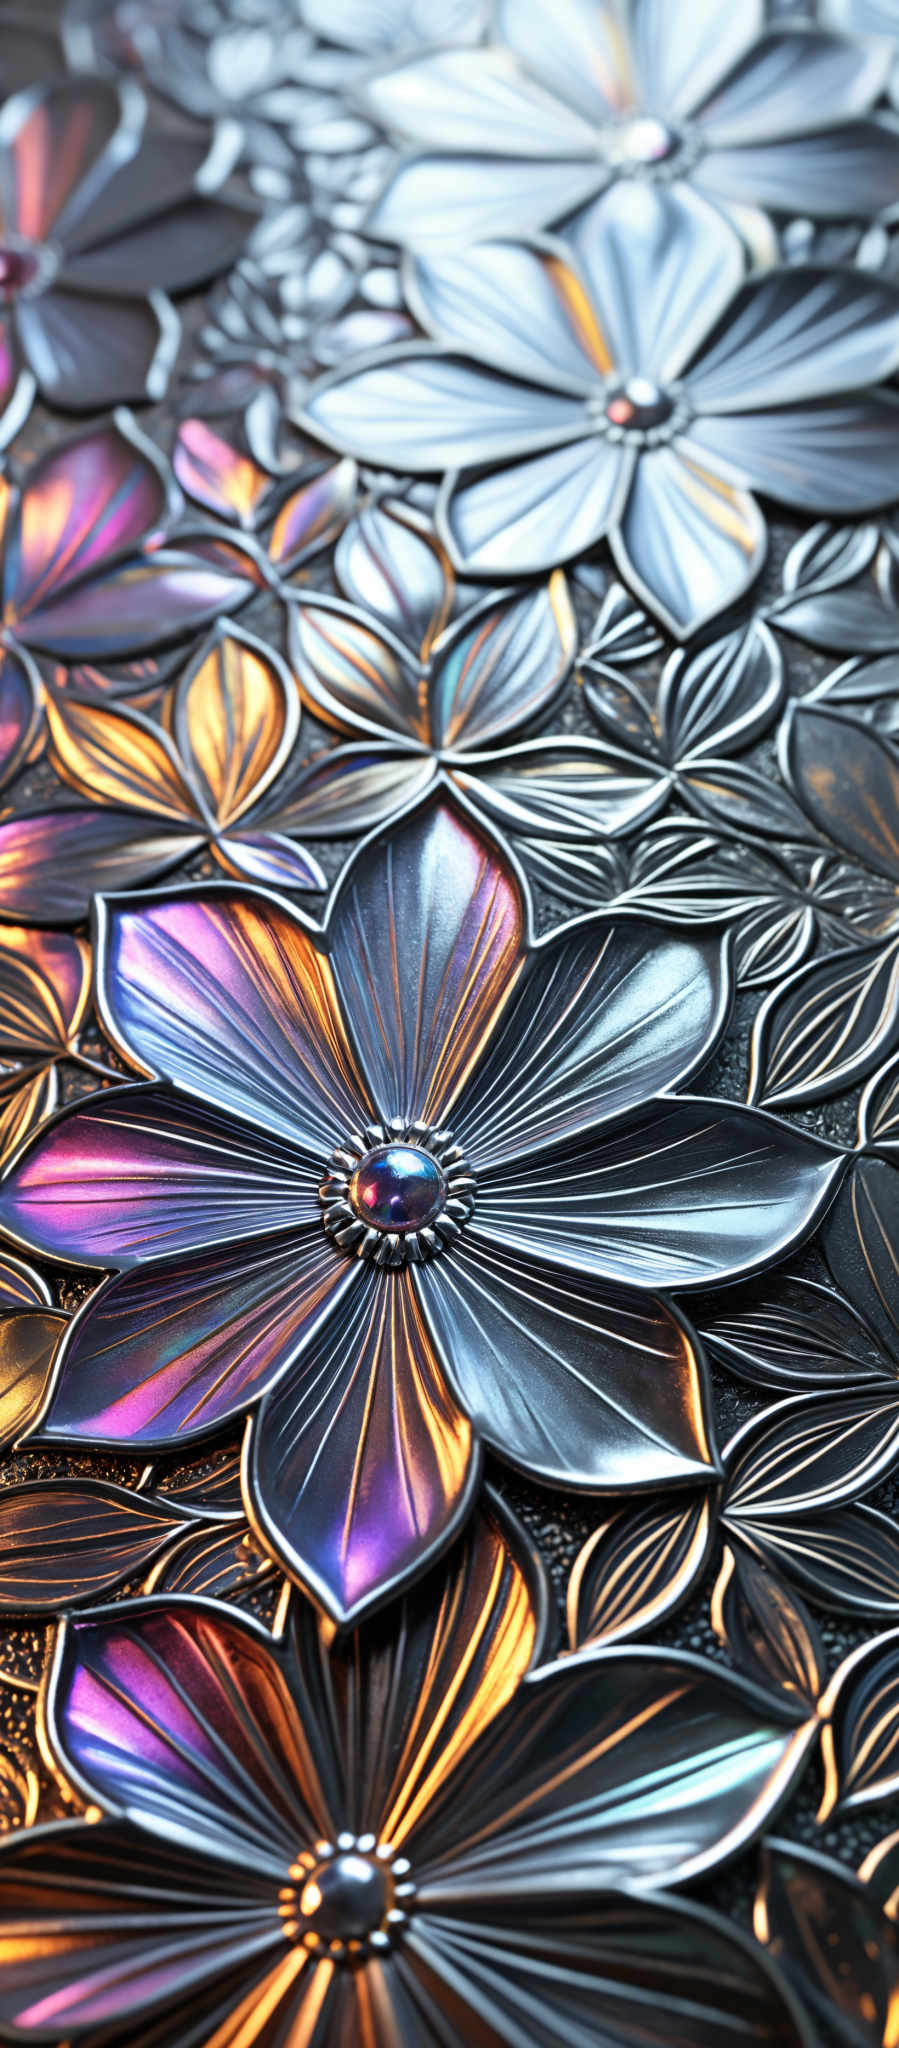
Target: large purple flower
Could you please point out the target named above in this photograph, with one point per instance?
(299, 1231)
(409, 1839)
(98, 220)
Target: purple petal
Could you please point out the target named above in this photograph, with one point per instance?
(141, 603)
(180, 1718)
(52, 861)
(82, 507)
(269, 857)
(136, 1172)
(361, 1463)
(19, 686)
(226, 993)
(171, 1350)
(55, 137)
(426, 936)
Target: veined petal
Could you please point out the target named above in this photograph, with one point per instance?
(688, 1194)
(834, 455)
(537, 511)
(135, 1172)
(825, 175)
(54, 138)
(172, 1350)
(88, 352)
(690, 540)
(791, 81)
(180, 1718)
(604, 1016)
(577, 1384)
(361, 1464)
(82, 507)
(419, 410)
(660, 265)
(799, 333)
(426, 933)
(525, 311)
(680, 60)
(580, 47)
(225, 992)
(478, 100)
(433, 201)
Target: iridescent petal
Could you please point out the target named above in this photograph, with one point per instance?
(352, 789)
(88, 352)
(139, 1171)
(612, 1766)
(218, 475)
(688, 1194)
(140, 603)
(689, 540)
(537, 511)
(799, 333)
(525, 311)
(602, 1018)
(83, 506)
(54, 137)
(835, 456)
(311, 516)
(225, 992)
(51, 862)
(165, 1353)
(236, 718)
(44, 984)
(19, 709)
(503, 669)
(661, 265)
(573, 1382)
(426, 931)
(268, 857)
(416, 409)
(179, 1717)
(361, 1463)
(561, 789)
(352, 675)
(99, 1923)
(831, 1940)
(16, 387)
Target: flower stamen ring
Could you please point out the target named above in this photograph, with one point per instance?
(397, 1192)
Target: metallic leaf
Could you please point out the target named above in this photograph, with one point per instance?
(635, 1569)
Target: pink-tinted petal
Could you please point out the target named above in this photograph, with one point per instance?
(136, 1172)
(89, 352)
(268, 857)
(226, 993)
(16, 387)
(98, 1923)
(19, 687)
(180, 1717)
(51, 862)
(174, 1349)
(54, 137)
(83, 506)
(219, 475)
(361, 1462)
(426, 936)
(140, 603)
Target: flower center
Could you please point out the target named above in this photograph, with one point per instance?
(396, 1192)
(349, 1898)
(398, 1187)
(25, 268)
(644, 140)
(639, 403)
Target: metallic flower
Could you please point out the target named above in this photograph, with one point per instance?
(630, 383)
(577, 93)
(84, 571)
(99, 221)
(412, 1836)
(304, 1235)
(150, 800)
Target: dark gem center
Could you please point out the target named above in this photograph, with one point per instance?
(397, 1187)
(18, 270)
(347, 1898)
(639, 404)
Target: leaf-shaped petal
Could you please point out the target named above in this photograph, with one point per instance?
(19, 698)
(426, 932)
(792, 1335)
(826, 1027)
(44, 983)
(503, 669)
(353, 788)
(28, 1340)
(645, 1205)
(312, 514)
(861, 1244)
(847, 1558)
(113, 755)
(83, 507)
(63, 1542)
(765, 1628)
(351, 675)
(860, 1737)
(213, 1562)
(636, 1568)
(28, 1096)
(21, 1286)
(847, 779)
(397, 571)
(268, 857)
(722, 696)
(604, 1016)
(215, 473)
(566, 788)
(143, 602)
(815, 1451)
(361, 1463)
(835, 1947)
(614, 1766)
(878, 1110)
(51, 862)
(180, 1346)
(236, 718)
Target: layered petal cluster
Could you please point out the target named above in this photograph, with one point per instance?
(298, 1231)
(100, 218)
(630, 383)
(574, 94)
(408, 1837)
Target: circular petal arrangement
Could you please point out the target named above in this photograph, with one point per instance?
(449, 1024)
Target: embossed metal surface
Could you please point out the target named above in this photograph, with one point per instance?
(449, 1024)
